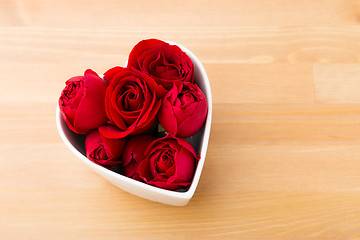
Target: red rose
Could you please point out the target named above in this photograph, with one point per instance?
(103, 151)
(82, 102)
(131, 102)
(169, 163)
(183, 110)
(134, 153)
(165, 63)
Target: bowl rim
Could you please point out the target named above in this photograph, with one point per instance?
(147, 187)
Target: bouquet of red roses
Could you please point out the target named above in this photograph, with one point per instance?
(136, 118)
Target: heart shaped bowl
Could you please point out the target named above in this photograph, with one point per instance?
(199, 141)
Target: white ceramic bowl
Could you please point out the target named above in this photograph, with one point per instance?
(200, 142)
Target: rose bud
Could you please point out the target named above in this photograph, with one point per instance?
(132, 102)
(183, 110)
(165, 63)
(82, 102)
(134, 153)
(102, 150)
(169, 163)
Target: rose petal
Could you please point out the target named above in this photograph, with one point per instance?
(113, 132)
(139, 48)
(91, 110)
(135, 148)
(103, 151)
(110, 74)
(185, 166)
(144, 170)
(193, 123)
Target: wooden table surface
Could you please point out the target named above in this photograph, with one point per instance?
(284, 155)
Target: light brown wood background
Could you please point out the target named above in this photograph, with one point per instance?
(284, 154)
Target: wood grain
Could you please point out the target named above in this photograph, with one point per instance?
(284, 154)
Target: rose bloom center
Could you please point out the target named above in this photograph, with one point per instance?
(99, 153)
(165, 161)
